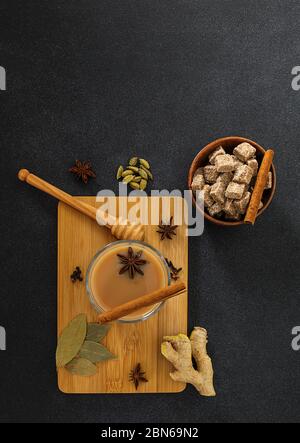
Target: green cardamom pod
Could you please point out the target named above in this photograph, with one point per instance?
(143, 184)
(144, 163)
(133, 168)
(95, 352)
(71, 340)
(137, 179)
(96, 332)
(133, 161)
(134, 185)
(143, 174)
(82, 367)
(147, 172)
(128, 179)
(126, 172)
(120, 172)
(150, 175)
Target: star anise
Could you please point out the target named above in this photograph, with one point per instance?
(132, 263)
(167, 230)
(83, 171)
(174, 271)
(137, 375)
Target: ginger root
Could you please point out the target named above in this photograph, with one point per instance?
(180, 349)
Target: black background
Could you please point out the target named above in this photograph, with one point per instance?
(101, 80)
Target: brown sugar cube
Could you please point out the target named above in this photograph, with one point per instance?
(253, 164)
(215, 209)
(224, 163)
(198, 182)
(229, 207)
(237, 162)
(217, 192)
(199, 171)
(235, 191)
(210, 174)
(242, 204)
(270, 181)
(225, 177)
(205, 195)
(244, 152)
(235, 217)
(214, 155)
(243, 175)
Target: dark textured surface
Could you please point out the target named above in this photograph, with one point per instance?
(91, 79)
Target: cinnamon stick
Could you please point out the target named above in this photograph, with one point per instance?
(141, 302)
(259, 188)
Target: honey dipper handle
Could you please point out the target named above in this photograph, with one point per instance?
(42, 185)
(121, 231)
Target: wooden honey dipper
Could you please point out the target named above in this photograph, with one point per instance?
(120, 228)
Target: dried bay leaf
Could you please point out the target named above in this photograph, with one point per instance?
(71, 340)
(95, 352)
(81, 366)
(96, 332)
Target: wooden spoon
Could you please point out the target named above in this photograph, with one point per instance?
(120, 228)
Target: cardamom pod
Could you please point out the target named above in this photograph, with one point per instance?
(133, 161)
(81, 366)
(128, 179)
(134, 185)
(150, 175)
(143, 174)
(71, 340)
(147, 172)
(143, 184)
(126, 172)
(96, 332)
(144, 163)
(95, 352)
(133, 168)
(137, 179)
(120, 172)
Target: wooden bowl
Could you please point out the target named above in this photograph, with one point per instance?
(229, 143)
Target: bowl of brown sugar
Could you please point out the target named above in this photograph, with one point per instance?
(223, 174)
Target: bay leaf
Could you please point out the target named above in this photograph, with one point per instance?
(96, 332)
(95, 352)
(71, 340)
(81, 366)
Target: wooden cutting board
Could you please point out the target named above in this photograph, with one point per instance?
(79, 238)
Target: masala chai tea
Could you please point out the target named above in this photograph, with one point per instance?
(124, 271)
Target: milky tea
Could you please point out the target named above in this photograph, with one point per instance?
(110, 288)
